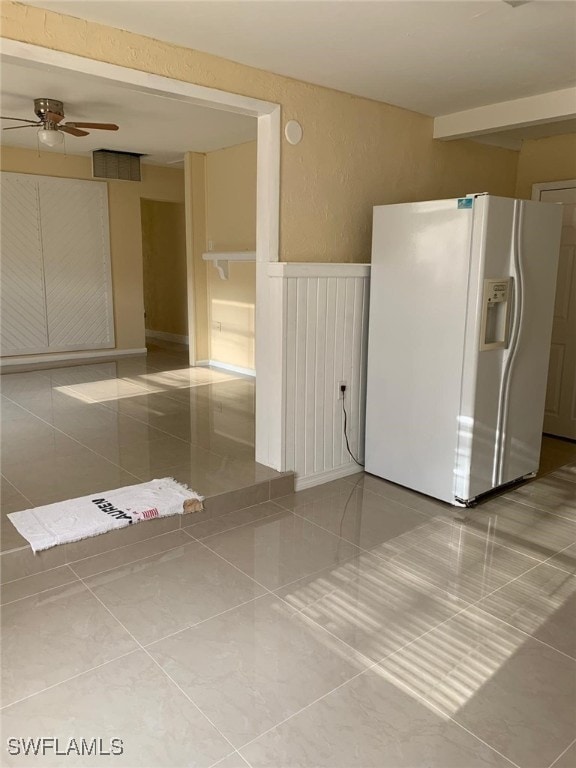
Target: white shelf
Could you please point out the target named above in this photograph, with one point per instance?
(222, 259)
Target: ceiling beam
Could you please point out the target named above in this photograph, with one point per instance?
(507, 115)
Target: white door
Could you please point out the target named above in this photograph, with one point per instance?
(560, 414)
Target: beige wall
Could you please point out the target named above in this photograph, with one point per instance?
(231, 198)
(157, 183)
(164, 266)
(551, 159)
(355, 153)
(231, 226)
(232, 306)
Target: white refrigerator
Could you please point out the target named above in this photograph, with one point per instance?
(461, 307)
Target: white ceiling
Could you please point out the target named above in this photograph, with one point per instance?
(435, 57)
(160, 128)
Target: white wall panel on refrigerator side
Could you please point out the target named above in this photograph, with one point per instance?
(326, 330)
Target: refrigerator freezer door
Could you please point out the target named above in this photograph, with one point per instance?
(503, 384)
(418, 299)
(524, 392)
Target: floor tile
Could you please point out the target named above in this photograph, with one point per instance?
(370, 605)
(210, 474)
(239, 498)
(171, 591)
(22, 562)
(11, 500)
(120, 537)
(106, 561)
(566, 560)
(526, 529)
(280, 549)
(485, 674)
(542, 603)
(418, 501)
(231, 520)
(232, 761)
(549, 493)
(130, 699)
(53, 635)
(107, 432)
(254, 666)
(370, 723)
(323, 491)
(58, 477)
(567, 472)
(39, 582)
(10, 539)
(41, 449)
(465, 565)
(568, 759)
(362, 517)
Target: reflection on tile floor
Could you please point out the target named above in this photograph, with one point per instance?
(71, 431)
(351, 625)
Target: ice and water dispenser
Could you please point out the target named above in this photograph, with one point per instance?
(497, 298)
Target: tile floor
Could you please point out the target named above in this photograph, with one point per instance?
(71, 431)
(351, 625)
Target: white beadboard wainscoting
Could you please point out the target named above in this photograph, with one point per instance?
(325, 318)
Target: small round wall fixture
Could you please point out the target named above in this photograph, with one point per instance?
(293, 132)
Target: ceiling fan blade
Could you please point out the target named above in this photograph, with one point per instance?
(14, 127)
(20, 120)
(54, 117)
(98, 126)
(72, 131)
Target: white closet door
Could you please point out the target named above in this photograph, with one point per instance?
(22, 301)
(76, 247)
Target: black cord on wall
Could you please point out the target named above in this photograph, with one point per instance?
(343, 393)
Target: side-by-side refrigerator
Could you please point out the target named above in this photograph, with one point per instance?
(461, 308)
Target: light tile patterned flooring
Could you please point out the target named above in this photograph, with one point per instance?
(71, 431)
(352, 625)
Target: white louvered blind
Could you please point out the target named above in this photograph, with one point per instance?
(22, 303)
(55, 265)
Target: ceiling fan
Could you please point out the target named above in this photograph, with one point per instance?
(50, 113)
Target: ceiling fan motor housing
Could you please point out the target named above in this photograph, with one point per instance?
(43, 106)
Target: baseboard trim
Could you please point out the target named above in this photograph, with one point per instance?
(165, 336)
(318, 478)
(7, 364)
(227, 367)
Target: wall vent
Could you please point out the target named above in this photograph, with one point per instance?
(107, 164)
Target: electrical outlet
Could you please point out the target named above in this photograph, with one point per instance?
(340, 392)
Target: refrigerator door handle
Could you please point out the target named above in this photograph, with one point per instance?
(518, 310)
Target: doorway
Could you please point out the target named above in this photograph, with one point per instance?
(270, 426)
(164, 270)
(560, 410)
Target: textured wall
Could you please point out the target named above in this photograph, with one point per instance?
(551, 159)
(356, 153)
(231, 226)
(125, 229)
(164, 263)
(231, 198)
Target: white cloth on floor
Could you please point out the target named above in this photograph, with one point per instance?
(76, 519)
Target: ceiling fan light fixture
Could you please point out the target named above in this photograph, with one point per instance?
(51, 138)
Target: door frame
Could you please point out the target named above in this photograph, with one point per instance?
(268, 325)
(547, 186)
